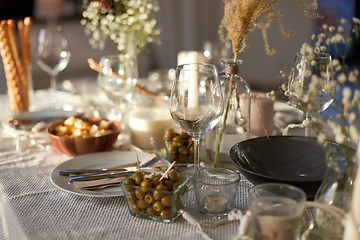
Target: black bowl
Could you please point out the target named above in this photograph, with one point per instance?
(295, 160)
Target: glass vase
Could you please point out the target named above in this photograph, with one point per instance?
(336, 188)
(237, 124)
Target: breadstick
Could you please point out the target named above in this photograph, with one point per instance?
(24, 54)
(19, 67)
(11, 73)
(28, 23)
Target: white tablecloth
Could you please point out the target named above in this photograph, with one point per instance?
(32, 207)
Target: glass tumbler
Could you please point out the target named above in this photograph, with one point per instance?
(215, 191)
(275, 211)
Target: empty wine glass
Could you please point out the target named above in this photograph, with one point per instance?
(52, 54)
(117, 78)
(196, 101)
(311, 85)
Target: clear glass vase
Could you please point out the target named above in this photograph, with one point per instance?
(237, 124)
(336, 188)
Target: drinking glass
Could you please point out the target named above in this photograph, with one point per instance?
(311, 85)
(276, 211)
(52, 54)
(196, 101)
(117, 78)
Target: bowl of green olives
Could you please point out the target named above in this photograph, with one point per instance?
(150, 197)
(179, 147)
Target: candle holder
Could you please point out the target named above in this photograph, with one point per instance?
(215, 191)
(275, 209)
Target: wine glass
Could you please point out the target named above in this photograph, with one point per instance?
(52, 54)
(311, 85)
(196, 101)
(117, 78)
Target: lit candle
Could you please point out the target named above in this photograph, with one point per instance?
(215, 204)
(147, 123)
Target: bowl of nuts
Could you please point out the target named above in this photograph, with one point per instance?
(179, 147)
(78, 136)
(152, 195)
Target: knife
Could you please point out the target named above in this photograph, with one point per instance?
(112, 174)
(67, 172)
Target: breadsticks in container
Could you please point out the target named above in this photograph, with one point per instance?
(16, 62)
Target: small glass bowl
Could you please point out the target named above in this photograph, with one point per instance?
(180, 148)
(159, 205)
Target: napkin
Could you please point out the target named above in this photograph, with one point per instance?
(111, 182)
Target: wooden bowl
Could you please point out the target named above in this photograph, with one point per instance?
(79, 146)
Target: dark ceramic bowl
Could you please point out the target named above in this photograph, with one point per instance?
(79, 146)
(299, 161)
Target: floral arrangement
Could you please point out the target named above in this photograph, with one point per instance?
(344, 125)
(125, 22)
(241, 17)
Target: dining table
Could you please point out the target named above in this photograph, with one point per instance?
(33, 207)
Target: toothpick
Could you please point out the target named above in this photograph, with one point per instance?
(167, 170)
(137, 161)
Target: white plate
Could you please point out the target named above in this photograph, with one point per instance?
(94, 160)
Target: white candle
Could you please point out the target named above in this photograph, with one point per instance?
(192, 74)
(215, 204)
(147, 123)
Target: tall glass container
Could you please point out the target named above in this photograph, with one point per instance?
(237, 122)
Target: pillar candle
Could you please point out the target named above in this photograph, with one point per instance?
(261, 115)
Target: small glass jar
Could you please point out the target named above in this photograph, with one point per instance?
(237, 124)
(153, 202)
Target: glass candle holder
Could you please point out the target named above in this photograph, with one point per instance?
(275, 211)
(215, 191)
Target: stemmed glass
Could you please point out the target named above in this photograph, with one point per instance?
(52, 54)
(311, 85)
(196, 101)
(117, 78)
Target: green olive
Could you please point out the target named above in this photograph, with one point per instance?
(159, 194)
(132, 198)
(138, 178)
(139, 194)
(158, 206)
(176, 185)
(167, 213)
(150, 211)
(167, 200)
(174, 176)
(142, 203)
(155, 182)
(145, 184)
(129, 181)
(177, 141)
(183, 150)
(149, 198)
(169, 184)
(169, 134)
(184, 135)
(135, 208)
(172, 149)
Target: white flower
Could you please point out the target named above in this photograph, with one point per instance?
(331, 29)
(343, 21)
(321, 137)
(352, 117)
(340, 29)
(342, 78)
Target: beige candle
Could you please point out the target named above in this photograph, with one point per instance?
(261, 115)
(147, 123)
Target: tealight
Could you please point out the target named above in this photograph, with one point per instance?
(147, 123)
